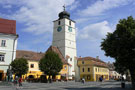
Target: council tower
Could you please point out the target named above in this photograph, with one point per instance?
(64, 38)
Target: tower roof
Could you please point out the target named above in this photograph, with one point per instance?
(64, 14)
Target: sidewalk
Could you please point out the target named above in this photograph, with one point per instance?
(5, 83)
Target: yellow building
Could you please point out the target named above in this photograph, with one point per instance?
(91, 69)
(33, 63)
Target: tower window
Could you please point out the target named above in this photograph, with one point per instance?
(69, 22)
(59, 23)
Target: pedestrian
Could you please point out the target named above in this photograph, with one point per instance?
(122, 82)
(83, 80)
(15, 81)
(100, 78)
(20, 81)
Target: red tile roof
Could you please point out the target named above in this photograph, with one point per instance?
(7, 26)
(56, 50)
(29, 55)
(96, 62)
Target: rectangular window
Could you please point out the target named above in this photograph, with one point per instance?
(59, 23)
(3, 43)
(96, 69)
(32, 65)
(69, 22)
(82, 69)
(82, 62)
(88, 69)
(70, 59)
(2, 57)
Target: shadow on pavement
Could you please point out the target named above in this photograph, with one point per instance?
(98, 88)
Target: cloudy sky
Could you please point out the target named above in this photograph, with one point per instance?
(94, 18)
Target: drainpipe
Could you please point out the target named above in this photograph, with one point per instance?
(9, 70)
(13, 54)
(14, 46)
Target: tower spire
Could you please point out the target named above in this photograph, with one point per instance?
(64, 7)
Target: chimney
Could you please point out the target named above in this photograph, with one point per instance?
(79, 56)
(97, 57)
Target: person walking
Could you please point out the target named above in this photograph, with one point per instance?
(15, 81)
(83, 80)
(20, 81)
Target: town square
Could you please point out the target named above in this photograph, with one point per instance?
(67, 45)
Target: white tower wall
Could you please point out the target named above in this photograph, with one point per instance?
(66, 40)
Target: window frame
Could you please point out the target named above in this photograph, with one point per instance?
(70, 59)
(59, 22)
(82, 69)
(3, 43)
(70, 22)
(88, 69)
(2, 57)
(82, 62)
(31, 65)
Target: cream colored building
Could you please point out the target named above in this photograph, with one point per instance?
(33, 63)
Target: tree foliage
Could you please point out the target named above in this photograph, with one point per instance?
(50, 64)
(119, 68)
(120, 45)
(19, 66)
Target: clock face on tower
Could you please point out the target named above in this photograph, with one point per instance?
(70, 29)
(59, 28)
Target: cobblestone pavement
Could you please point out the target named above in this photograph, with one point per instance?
(70, 85)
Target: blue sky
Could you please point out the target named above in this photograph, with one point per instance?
(94, 18)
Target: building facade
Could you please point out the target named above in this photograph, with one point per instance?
(8, 44)
(33, 63)
(91, 69)
(64, 37)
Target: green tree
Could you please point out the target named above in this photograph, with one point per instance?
(19, 66)
(119, 68)
(50, 64)
(120, 45)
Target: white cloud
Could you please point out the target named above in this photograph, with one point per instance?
(95, 31)
(101, 6)
(74, 5)
(81, 20)
(37, 15)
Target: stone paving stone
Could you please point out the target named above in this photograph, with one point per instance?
(70, 85)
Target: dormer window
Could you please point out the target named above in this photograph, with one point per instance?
(82, 62)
